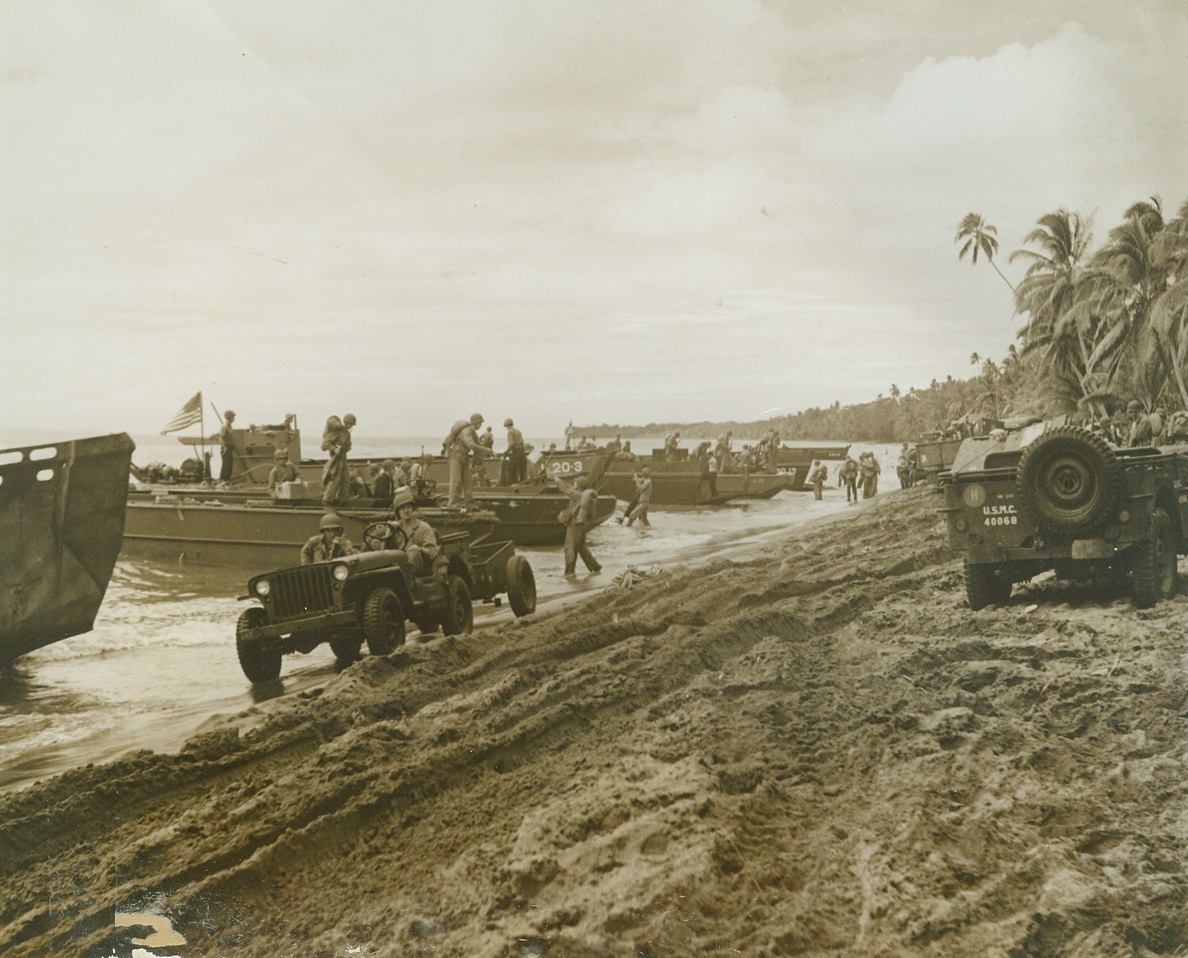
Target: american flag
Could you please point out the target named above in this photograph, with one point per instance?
(189, 414)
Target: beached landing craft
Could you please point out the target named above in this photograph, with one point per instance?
(62, 508)
(797, 460)
(191, 531)
(254, 532)
(682, 482)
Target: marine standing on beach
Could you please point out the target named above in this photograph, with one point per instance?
(227, 447)
(870, 469)
(848, 476)
(336, 474)
(817, 476)
(578, 516)
(461, 446)
(643, 498)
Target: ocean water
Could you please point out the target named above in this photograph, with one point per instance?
(160, 664)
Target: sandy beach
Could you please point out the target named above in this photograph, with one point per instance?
(809, 747)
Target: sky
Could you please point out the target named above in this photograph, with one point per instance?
(623, 212)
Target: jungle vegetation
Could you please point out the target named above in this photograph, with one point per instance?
(1099, 326)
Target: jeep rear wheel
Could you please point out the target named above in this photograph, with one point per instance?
(458, 615)
(1153, 574)
(986, 585)
(258, 664)
(383, 621)
(521, 586)
(1068, 480)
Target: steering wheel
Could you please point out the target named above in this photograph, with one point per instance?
(376, 535)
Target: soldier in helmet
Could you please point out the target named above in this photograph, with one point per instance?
(1140, 425)
(517, 453)
(227, 447)
(283, 471)
(329, 543)
(464, 451)
(578, 516)
(414, 536)
(384, 483)
(336, 474)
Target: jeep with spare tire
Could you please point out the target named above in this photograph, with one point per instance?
(367, 597)
(1054, 496)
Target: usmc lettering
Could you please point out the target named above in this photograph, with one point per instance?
(1007, 509)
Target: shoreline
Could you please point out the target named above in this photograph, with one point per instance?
(809, 746)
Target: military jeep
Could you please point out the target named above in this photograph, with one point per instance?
(1060, 497)
(368, 596)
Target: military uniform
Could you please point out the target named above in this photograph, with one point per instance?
(578, 516)
(460, 446)
(317, 549)
(517, 454)
(336, 474)
(282, 472)
(227, 448)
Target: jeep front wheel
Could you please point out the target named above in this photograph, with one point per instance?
(1153, 572)
(521, 586)
(986, 585)
(458, 615)
(258, 664)
(383, 621)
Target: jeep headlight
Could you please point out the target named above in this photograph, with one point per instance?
(340, 572)
(263, 587)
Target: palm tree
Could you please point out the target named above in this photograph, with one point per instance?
(1068, 340)
(1169, 311)
(1131, 273)
(978, 236)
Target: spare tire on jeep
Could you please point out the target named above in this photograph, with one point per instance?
(1068, 481)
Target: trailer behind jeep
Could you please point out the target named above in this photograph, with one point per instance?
(1063, 498)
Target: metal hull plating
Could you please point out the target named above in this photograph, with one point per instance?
(252, 535)
(797, 460)
(684, 482)
(62, 509)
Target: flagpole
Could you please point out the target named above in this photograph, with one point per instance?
(202, 446)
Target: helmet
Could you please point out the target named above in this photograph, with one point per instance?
(402, 497)
(349, 419)
(476, 418)
(280, 453)
(583, 482)
(507, 422)
(229, 414)
(1134, 406)
(389, 464)
(647, 471)
(330, 521)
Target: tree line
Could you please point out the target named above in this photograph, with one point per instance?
(1100, 326)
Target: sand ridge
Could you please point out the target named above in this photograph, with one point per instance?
(809, 748)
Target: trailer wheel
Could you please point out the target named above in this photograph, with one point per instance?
(458, 615)
(521, 586)
(1068, 480)
(986, 585)
(383, 621)
(1153, 573)
(258, 664)
(428, 626)
(346, 647)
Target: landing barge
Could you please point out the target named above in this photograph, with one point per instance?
(62, 510)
